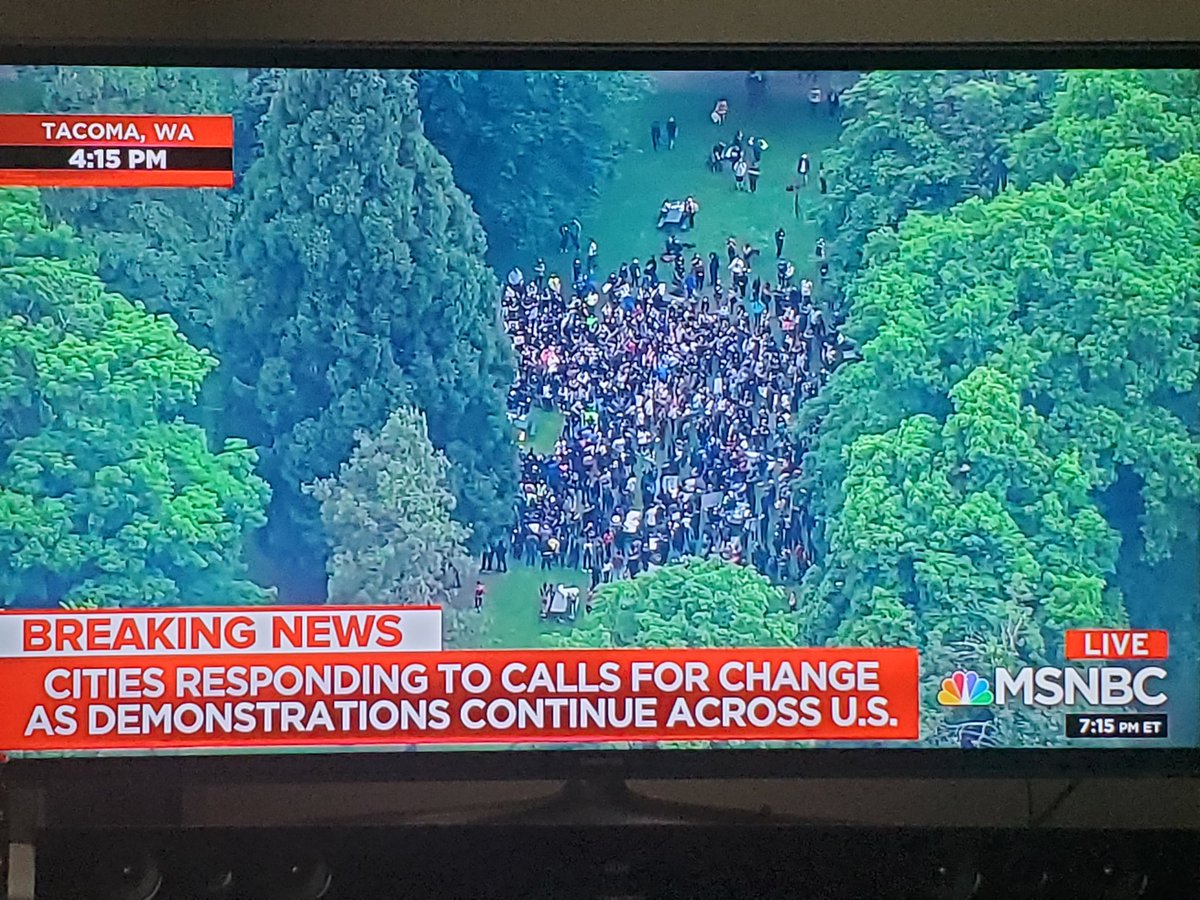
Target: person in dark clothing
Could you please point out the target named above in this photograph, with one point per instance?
(716, 157)
(592, 254)
(655, 134)
(501, 555)
(821, 179)
(780, 234)
(486, 562)
(714, 268)
(564, 237)
(576, 270)
(539, 273)
(698, 271)
(752, 173)
(652, 270)
(672, 131)
(731, 248)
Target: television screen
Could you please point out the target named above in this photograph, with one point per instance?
(437, 409)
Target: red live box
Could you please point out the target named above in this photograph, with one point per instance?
(1116, 643)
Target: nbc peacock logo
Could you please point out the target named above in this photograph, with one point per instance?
(965, 689)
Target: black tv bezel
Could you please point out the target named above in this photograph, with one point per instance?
(823, 762)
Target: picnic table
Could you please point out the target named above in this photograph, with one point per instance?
(671, 213)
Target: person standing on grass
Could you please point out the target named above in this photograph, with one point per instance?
(802, 168)
(690, 208)
(739, 175)
(821, 179)
(592, 254)
(714, 267)
(730, 248)
(486, 563)
(672, 131)
(501, 555)
(752, 173)
(655, 135)
(780, 234)
(479, 596)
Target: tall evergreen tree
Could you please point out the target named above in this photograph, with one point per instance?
(365, 291)
(387, 516)
(530, 148)
(107, 496)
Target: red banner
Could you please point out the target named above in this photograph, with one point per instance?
(1116, 643)
(49, 130)
(313, 699)
(74, 178)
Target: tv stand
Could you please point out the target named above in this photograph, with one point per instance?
(608, 800)
(24, 814)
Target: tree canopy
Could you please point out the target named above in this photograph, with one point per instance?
(365, 290)
(922, 141)
(107, 495)
(1018, 354)
(697, 603)
(530, 148)
(1095, 111)
(387, 516)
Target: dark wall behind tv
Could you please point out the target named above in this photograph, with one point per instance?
(897, 21)
(1137, 804)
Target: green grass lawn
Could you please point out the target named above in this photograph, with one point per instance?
(624, 217)
(623, 221)
(545, 427)
(510, 608)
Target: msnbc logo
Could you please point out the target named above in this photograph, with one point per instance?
(965, 689)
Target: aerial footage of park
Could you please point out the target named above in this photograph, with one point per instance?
(617, 359)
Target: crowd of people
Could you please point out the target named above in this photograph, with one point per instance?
(678, 389)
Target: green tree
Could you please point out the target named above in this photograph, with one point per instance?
(1095, 111)
(922, 141)
(365, 291)
(696, 603)
(107, 495)
(388, 519)
(530, 148)
(1019, 354)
